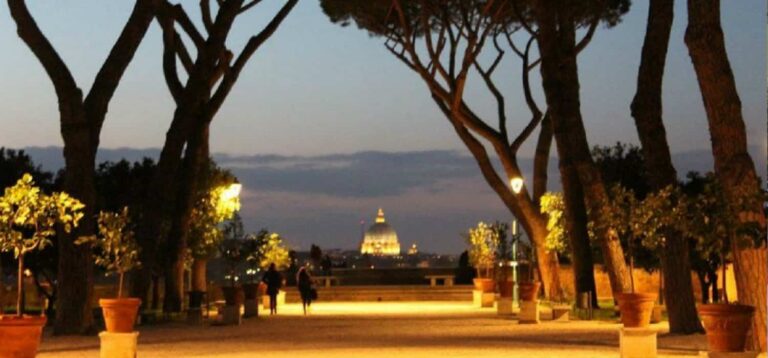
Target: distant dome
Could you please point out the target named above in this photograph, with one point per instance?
(380, 239)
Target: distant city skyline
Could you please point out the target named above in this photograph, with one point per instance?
(325, 126)
(430, 197)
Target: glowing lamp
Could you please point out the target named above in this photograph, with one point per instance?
(232, 191)
(516, 184)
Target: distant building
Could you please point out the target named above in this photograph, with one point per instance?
(380, 239)
(413, 250)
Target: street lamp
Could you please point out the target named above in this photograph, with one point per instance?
(232, 191)
(516, 184)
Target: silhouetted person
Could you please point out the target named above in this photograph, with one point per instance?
(274, 281)
(304, 283)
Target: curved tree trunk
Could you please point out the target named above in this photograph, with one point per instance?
(531, 219)
(576, 225)
(75, 276)
(559, 72)
(196, 154)
(733, 165)
(647, 111)
(199, 275)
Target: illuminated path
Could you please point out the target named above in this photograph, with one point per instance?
(391, 330)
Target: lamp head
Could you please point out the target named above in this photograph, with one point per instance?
(517, 184)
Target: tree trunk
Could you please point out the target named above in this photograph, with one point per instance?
(557, 46)
(81, 121)
(733, 165)
(75, 277)
(702, 276)
(159, 203)
(576, 225)
(195, 155)
(647, 112)
(199, 275)
(519, 205)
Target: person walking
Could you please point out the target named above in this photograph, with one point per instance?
(304, 283)
(274, 281)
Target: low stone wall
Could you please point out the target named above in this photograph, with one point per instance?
(644, 282)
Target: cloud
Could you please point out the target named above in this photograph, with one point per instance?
(359, 175)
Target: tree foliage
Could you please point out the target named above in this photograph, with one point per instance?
(28, 220)
(28, 217)
(482, 241)
(275, 252)
(216, 204)
(553, 205)
(115, 248)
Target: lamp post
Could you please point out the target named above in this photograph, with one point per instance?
(516, 184)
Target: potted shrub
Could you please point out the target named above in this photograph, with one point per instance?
(618, 217)
(712, 222)
(28, 220)
(482, 241)
(660, 213)
(232, 254)
(254, 251)
(115, 250)
(529, 287)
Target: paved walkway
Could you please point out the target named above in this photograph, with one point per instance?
(391, 330)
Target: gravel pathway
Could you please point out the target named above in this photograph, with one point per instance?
(391, 330)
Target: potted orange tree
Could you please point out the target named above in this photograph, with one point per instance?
(712, 223)
(115, 250)
(618, 217)
(28, 220)
(482, 241)
(529, 287)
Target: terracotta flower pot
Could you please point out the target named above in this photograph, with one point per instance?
(233, 296)
(484, 284)
(726, 325)
(506, 288)
(20, 336)
(529, 291)
(251, 291)
(120, 313)
(636, 308)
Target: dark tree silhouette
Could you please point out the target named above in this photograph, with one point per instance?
(210, 78)
(554, 25)
(660, 173)
(81, 117)
(733, 166)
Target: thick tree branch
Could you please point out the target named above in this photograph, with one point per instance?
(249, 5)
(181, 17)
(250, 48)
(54, 66)
(120, 56)
(170, 44)
(541, 159)
(205, 14)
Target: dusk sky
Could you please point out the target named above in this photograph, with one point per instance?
(350, 127)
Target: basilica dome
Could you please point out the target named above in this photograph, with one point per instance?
(380, 239)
